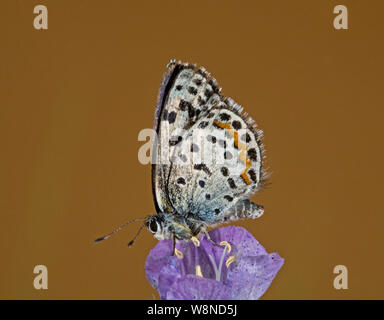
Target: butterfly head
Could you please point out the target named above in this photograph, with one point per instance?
(163, 226)
(155, 224)
(166, 226)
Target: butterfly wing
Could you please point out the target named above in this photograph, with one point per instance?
(217, 163)
(186, 94)
(208, 154)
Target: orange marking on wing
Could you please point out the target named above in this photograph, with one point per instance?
(223, 125)
(242, 147)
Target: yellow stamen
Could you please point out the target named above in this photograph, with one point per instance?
(195, 241)
(230, 260)
(179, 254)
(227, 245)
(198, 271)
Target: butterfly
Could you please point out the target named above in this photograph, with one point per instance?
(206, 159)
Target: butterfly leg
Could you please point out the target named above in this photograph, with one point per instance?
(176, 252)
(173, 245)
(213, 242)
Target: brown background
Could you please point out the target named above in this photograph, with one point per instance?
(74, 98)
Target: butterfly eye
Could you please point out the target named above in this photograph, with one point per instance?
(153, 226)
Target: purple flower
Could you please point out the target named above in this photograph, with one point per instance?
(243, 270)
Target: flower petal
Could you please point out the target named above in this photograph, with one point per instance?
(168, 275)
(157, 259)
(247, 278)
(195, 256)
(245, 242)
(196, 288)
(251, 276)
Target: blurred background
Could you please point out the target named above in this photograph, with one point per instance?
(74, 98)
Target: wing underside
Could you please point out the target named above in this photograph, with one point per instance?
(208, 154)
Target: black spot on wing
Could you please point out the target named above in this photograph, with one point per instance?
(236, 125)
(252, 174)
(224, 171)
(202, 166)
(180, 180)
(191, 111)
(172, 117)
(194, 148)
(245, 137)
(201, 101)
(224, 116)
(187, 106)
(203, 124)
(184, 105)
(227, 155)
(175, 140)
(208, 93)
(211, 138)
(192, 90)
(222, 143)
(252, 154)
(232, 183)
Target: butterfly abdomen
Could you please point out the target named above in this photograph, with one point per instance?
(244, 209)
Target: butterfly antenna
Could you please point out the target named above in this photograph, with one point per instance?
(130, 243)
(119, 228)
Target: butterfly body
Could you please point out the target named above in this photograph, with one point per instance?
(207, 158)
(170, 225)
